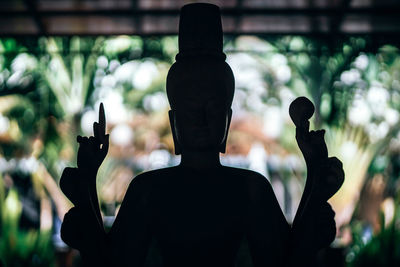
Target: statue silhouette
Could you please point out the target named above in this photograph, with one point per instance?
(198, 213)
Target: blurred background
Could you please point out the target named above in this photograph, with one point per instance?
(60, 59)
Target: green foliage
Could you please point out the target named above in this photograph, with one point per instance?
(50, 82)
(383, 249)
(20, 248)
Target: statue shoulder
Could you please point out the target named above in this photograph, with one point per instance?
(248, 175)
(252, 180)
(146, 181)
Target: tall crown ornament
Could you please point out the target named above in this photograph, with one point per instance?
(200, 60)
(200, 31)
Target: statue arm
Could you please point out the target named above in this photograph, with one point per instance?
(82, 227)
(314, 225)
(272, 241)
(267, 231)
(130, 236)
(126, 242)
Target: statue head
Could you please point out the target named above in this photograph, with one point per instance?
(200, 84)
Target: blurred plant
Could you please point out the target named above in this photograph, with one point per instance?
(21, 247)
(356, 95)
(382, 249)
(50, 89)
(369, 124)
(68, 70)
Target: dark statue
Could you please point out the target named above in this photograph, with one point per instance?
(199, 212)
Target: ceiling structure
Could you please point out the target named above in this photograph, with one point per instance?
(160, 17)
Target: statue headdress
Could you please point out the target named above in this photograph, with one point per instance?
(200, 68)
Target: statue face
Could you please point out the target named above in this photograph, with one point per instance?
(200, 92)
(201, 126)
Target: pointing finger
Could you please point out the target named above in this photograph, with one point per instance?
(102, 122)
(96, 131)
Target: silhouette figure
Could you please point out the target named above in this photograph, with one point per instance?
(199, 212)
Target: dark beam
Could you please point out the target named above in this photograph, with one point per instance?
(238, 18)
(136, 18)
(384, 11)
(338, 19)
(32, 11)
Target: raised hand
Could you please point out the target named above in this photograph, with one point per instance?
(311, 143)
(330, 177)
(327, 172)
(325, 175)
(93, 149)
(79, 184)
